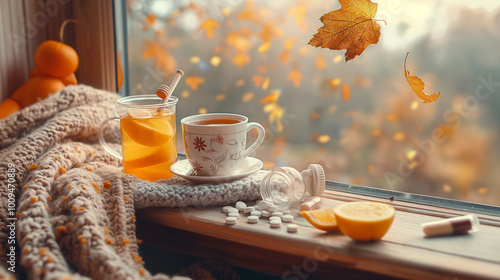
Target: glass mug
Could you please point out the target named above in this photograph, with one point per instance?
(148, 136)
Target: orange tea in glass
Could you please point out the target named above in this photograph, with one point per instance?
(148, 136)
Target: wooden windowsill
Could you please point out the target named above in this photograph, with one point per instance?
(403, 252)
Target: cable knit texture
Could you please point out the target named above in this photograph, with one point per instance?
(74, 205)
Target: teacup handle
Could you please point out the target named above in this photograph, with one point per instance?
(260, 138)
(105, 145)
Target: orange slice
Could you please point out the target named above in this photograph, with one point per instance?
(323, 219)
(137, 156)
(148, 132)
(364, 220)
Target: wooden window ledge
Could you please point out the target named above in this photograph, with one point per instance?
(403, 252)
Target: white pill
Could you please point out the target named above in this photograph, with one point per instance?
(256, 213)
(287, 218)
(236, 215)
(232, 210)
(277, 214)
(249, 209)
(262, 205)
(265, 214)
(272, 208)
(225, 209)
(275, 223)
(240, 205)
(253, 219)
(231, 220)
(286, 212)
(275, 218)
(292, 228)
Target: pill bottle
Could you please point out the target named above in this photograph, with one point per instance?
(285, 187)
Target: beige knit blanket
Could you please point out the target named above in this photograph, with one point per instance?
(66, 208)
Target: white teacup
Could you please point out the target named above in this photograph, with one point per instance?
(215, 144)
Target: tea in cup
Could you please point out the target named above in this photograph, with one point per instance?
(215, 144)
(148, 136)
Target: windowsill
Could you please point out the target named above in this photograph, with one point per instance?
(404, 252)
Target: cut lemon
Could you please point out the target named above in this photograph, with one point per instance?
(364, 220)
(323, 219)
(148, 132)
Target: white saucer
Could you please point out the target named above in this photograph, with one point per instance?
(248, 166)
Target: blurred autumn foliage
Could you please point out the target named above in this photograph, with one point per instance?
(361, 120)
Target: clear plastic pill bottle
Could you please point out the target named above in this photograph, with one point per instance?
(285, 187)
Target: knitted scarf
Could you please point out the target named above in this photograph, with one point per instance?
(67, 209)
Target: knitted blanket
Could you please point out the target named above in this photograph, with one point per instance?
(66, 207)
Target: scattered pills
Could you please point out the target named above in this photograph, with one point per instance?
(287, 218)
(311, 204)
(286, 212)
(256, 213)
(232, 210)
(262, 205)
(225, 209)
(236, 215)
(249, 209)
(253, 219)
(265, 214)
(275, 223)
(277, 214)
(272, 208)
(275, 218)
(231, 220)
(292, 228)
(240, 205)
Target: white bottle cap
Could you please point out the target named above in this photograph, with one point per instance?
(314, 179)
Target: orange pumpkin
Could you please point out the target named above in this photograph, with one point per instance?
(8, 106)
(36, 89)
(68, 80)
(56, 59)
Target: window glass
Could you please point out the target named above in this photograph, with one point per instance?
(359, 119)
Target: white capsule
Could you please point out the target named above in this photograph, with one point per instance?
(240, 205)
(262, 205)
(292, 228)
(253, 219)
(275, 223)
(236, 215)
(231, 220)
(311, 204)
(277, 214)
(256, 213)
(265, 214)
(249, 209)
(287, 218)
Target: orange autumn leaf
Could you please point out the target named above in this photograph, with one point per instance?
(417, 85)
(249, 13)
(271, 98)
(194, 82)
(163, 60)
(299, 16)
(209, 26)
(352, 27)
(241, 59)
(258, 80)
(270, 30)
(320, 62)
(346, 92)
(295, 76)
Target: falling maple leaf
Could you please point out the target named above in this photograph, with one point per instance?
(417, 85)
(295, 76)
(352, 27)
(276, 112)
(194, 82)
(163, 60)
(346, 92)
(209, 26)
